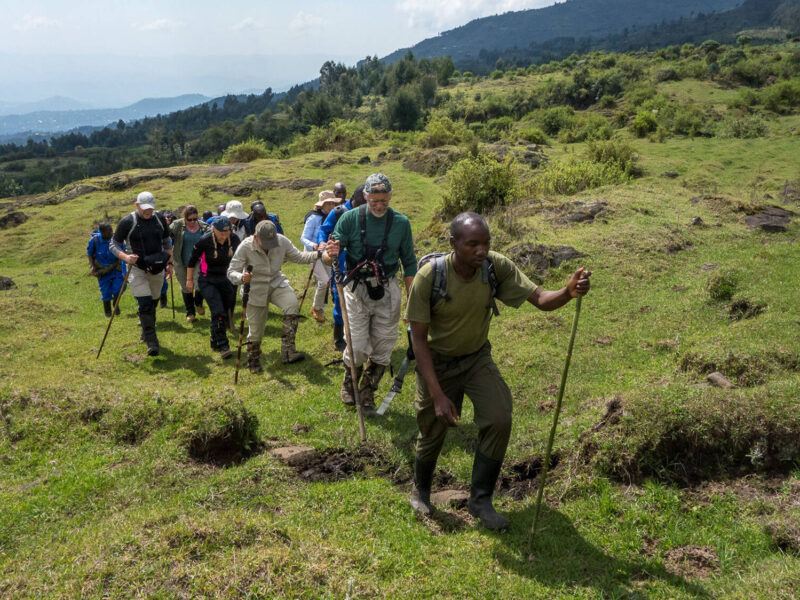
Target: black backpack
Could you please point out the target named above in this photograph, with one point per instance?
(439, 287)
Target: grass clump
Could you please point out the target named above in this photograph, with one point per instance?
(614, 152)
(340, 135)
(131, 420)
(480, 183)
(722, 287)
(688, 436)
(221, 430)
(247, 151)
(569, 178)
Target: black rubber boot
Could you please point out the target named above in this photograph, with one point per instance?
(114, 303)
(149, 336)
(485, 472)
(107, 308)
(420, 499)
(338, 337)
(188, 302)
(219, 336)
(290, 354)
(163, 301)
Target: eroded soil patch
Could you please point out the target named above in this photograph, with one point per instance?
(692, 562)
(523, 479)
(336, 464)
(539, 258)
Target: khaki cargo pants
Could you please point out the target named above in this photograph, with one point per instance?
(373, 323)
(282, 297)
(477, 376)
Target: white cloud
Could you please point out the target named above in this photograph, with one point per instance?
(159, 25)
(304, 21)
(30, 23)
(247, 23)
(445, 15)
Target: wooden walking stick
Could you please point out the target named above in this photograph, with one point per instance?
(308, 283)
(245, 298)
(342, 304)
(114, 311)
(549, 450)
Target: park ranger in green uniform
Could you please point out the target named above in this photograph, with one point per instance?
(450, 339)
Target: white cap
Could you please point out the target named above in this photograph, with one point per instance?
(234, 209)
(145, 201)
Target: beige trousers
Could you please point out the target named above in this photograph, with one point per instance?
(373, 323)
(282, 297)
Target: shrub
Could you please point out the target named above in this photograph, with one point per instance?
(614, 152)
(607, 101)
(534, 135)
(474, 113)
(586, 127)
(480, 183)
(442, 131)
(246, 151)
(782, 97)
(571, 177)
(748, 127)
(644, 123)
(403, 110)
(667, 74)
(341, 135)
(497, 74)
(722, 287)
(553, 120)
(496, 106)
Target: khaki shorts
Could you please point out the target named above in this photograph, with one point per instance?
(145, 284)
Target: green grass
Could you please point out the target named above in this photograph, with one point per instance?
(90, 511)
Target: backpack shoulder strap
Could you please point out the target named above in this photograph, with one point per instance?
(389, 219)
(362, 222)
(439, 286)
(490, 277)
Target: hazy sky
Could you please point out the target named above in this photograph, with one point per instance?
(118, 51)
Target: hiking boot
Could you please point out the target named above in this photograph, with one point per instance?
(201, 310)
(149, 336)
(191, 318)
(107, 308)
(163, 301)
(219, 336)
(289, 353)
(226, 353)
(338, 337)
(485, 472)
(319, 315)
(420, 499)
(254, 357)
(346, 393)
(188, 302)
(370, 380)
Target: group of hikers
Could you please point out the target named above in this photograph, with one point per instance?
(451, 299)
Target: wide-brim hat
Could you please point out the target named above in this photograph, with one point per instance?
(234, 209)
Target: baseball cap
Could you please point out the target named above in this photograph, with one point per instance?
(222, 223)
(267, 234)
(145, 200)
(377, 183)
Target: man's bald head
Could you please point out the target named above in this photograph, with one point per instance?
(466, 220)
(259, 212)
(340, 190)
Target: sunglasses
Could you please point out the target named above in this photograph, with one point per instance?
(191, 220)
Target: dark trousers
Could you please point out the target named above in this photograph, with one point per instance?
(219, 293)
(478, 377)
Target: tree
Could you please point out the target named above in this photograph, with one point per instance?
(403, 110)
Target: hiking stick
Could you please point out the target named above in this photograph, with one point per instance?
(308, 283)
(345, 318)
(114, 310)
(549, 450)
(245, 298)
(172, 292)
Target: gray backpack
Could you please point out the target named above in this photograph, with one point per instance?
(439, 287)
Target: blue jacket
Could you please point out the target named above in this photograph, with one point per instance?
(99, 250)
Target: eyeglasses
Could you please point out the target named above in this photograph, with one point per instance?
(191, 220)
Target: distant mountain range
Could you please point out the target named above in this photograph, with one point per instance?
(52, 103)
(572, 18)
(34, 124)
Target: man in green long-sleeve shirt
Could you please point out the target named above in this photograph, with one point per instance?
(378, 241)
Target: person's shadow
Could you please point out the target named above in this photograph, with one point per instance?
(561, 559)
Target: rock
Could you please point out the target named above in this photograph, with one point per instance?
(13, 219)
(772, 219)
(603, 340)
(301, 184)
(790, 192)
(435, 161)
(582, 212)
(717, 379)
(670, 174)
(293, 455)
(364, 160)
(6, 283)
(381, 155)
(540, 258)
(696, 222)
(394, 150)
(454, 498)
(709, 266)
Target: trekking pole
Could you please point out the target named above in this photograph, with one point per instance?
(172, 291)
(308, 283)
(245, 298)
(549, 450)
(114, 311)
(342, 305)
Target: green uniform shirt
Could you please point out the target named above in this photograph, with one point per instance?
(400, 243)
(461, 325)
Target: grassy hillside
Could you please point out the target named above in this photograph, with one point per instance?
(665, 486)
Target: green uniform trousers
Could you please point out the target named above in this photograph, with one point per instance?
(478, 377)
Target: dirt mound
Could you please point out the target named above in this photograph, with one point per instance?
(746, 370)
(785, 535)
(581, 212)
(246, 188)
(772, 219)
(336, 160)
(686, 439)
(742, 308)
(13, 219)
(539, 258)
(6, 283)
(335, 464)
(692, 562)
(433, 162)
(523, 479)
